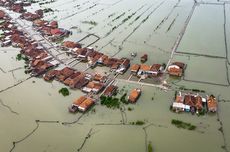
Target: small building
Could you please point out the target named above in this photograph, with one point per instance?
(53, 24)
(64, 74)
(144, 70)
(71, 45)
(110, 90)
(100, 78)
(134, 95)
(180, 107)
(93, 87)
(176, 69)
(144, 58)
(134, 69)
(77, 103)
(86, 104)
(123, 67)
(50, 75)
(212, 104)
(155, 70)
(82, 104)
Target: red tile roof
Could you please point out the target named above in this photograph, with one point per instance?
(56, 32)
(134, 95)
(54, 24)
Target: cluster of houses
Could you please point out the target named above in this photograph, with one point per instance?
(194, 103)
(46, 28)
(42, 63)
(95, 58)
(88, 83)
(51, 30)
(16, 6)
(37, 58)
(83, 103)
(144, 70)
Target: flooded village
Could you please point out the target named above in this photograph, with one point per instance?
(83, 75)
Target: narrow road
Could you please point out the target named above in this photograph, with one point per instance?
(181, 34)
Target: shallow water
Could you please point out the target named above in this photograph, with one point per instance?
(35, 99)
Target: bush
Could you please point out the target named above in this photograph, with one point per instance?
(150, 148)
(184, 125)
(64, 91)
(139, 122)
(110, 102)
(123, 99)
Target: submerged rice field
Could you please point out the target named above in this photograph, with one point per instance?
(34, 116)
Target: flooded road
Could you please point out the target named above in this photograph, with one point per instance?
(34, 116)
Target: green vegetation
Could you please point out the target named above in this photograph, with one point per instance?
(90, 22)
(194, 90)
(47, 10)
(20, 57)
(111, 15)
(64, 91)
(150, 148)
(123, 99)
(130, 109)
(138, 122)
(118, 17)
(201, 112)
(110, 102)
(47, 2)
(184, 125)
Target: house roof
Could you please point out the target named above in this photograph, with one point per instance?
(135, 67)
(99, 77)
(179, 64)
(175, 71)
(86, 104)
(212, 103)
(54, 24)
(110, 89)
(145, 67)
(155, 67)
(69, 44)
(2, 14)
(179, 99)
(144, 57)
(39, 22)
(56, 31)
(79, 100)
(134, 94)
(126, 62)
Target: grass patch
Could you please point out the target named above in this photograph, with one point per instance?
(47, 10)
(138, 123)
(184, 125)
(90, 22)
(150, 148)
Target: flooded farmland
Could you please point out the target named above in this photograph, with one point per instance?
(34, 115)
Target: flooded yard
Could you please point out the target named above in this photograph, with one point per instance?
(35, 117)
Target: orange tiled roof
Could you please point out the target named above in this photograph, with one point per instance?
(87, 103)
(145, 67)
(134, 94)
(212, 103)
(79, 100)
(135, 67)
